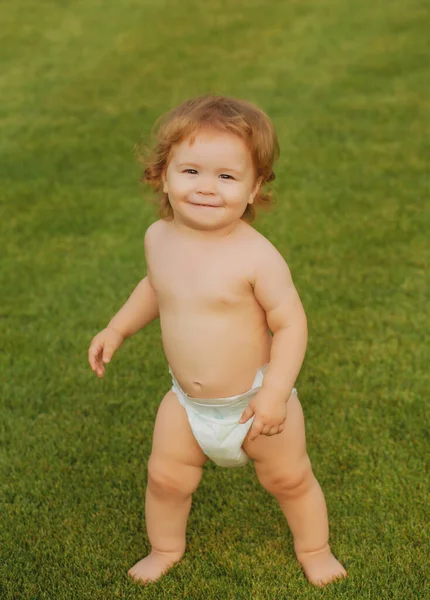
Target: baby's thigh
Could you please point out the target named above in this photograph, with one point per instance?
(175, 452)
(284, 451)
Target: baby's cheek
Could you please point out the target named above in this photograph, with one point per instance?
(182, 189)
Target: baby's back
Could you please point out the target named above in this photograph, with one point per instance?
(214, 332)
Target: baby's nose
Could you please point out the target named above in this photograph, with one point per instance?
(206, 186)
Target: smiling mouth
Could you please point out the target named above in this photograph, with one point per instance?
(206, 205)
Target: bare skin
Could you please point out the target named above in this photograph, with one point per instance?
(283, 468)
(220, 288)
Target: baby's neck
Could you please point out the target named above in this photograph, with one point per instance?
(204, 235)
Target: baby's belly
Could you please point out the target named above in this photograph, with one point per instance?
(216, 357)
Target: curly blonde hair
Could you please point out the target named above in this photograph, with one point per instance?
(221, 112)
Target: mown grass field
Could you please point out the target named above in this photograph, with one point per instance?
(347, 86)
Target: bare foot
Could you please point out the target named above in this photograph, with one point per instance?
(153, 566)
(321, 567)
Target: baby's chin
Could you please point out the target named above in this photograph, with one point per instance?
(205, 218)
(211, 226)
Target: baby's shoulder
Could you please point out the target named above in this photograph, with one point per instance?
(258, 245)
(261, 255)
(153, 234)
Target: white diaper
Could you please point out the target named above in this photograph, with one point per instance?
(214, 422)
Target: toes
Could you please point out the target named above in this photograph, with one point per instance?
(323, 582)
(322, 569)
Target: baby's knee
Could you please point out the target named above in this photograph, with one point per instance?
(172, 479)
(289, 483)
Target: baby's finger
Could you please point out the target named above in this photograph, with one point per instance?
(255, 430)
(265, 430)
(274, 430)
(94, 353)
(246, 415)
(91, 356)
(107, 353)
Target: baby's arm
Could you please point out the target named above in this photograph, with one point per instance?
(142, 306)
(140, 309)
(275, 292)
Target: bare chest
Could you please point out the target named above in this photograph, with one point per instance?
(193, 277)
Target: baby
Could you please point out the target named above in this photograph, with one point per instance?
(233, 329)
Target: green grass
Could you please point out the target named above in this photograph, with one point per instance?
(348, 89)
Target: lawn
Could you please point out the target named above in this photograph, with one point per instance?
(347, 86)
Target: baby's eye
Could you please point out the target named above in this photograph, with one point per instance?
(191, 171)
(226, 176)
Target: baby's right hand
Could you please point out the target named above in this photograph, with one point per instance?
(102, 348)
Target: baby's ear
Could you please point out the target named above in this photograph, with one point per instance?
(255, 190)
(164, 181)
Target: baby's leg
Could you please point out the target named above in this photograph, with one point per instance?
(284, 469)
(174, 472)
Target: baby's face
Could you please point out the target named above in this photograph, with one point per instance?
(211, 180)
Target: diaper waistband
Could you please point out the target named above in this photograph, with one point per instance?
(258, 380)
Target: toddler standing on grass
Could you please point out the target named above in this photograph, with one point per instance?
(233, 329)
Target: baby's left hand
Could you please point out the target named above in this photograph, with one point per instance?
(270, 414)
